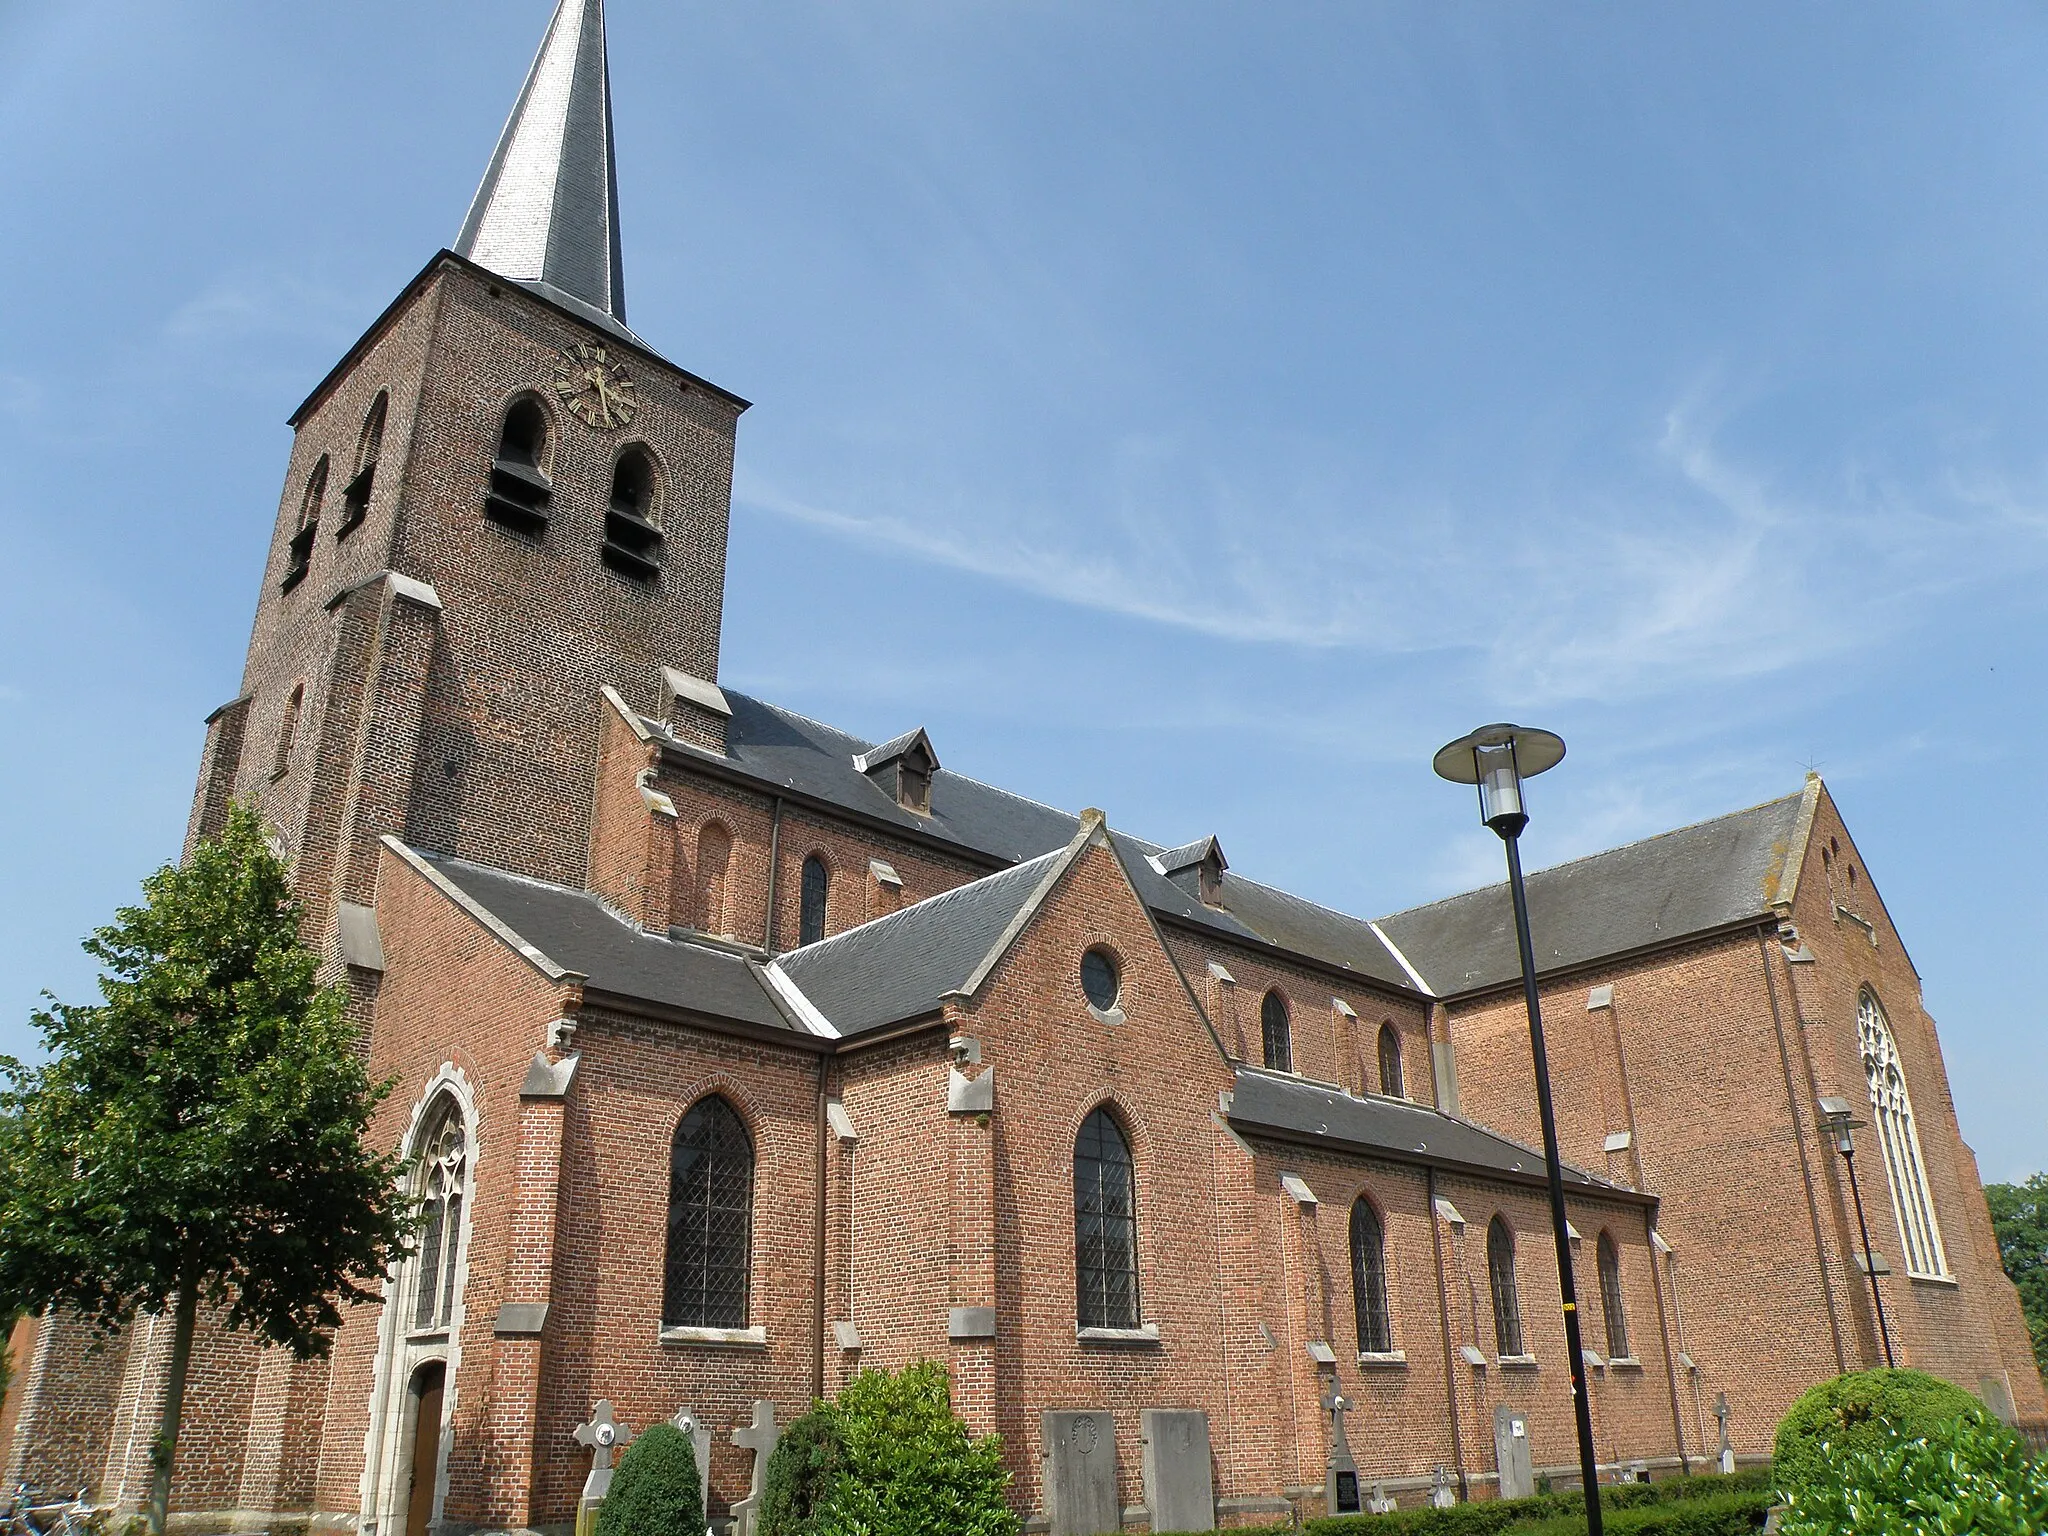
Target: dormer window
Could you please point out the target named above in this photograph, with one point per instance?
(1197, 869)
(632, 526)
(902, 769)
(519, 493)
(355, 496)
(299, 555)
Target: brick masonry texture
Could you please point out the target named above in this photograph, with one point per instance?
(464, 689)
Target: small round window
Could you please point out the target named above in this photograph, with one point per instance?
(1099, 979)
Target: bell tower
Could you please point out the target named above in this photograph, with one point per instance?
(500, 501)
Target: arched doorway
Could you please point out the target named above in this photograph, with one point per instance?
(425, 1393)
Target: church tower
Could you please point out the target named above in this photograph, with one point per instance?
(500, 501)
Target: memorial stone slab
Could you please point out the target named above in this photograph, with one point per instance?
(1511, 1453)
(1078, 1463)
(1180, 1486)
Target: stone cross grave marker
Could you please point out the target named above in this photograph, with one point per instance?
(1381, 1502)
(1180, 1487)
(758, 1437)
(1727, 1446)
(602, 1435)
(1440, 1494)
(1078, 1461)
(1340, 1483)
(1511, 1453)
(698, 1433)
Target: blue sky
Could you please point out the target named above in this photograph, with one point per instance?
(1202, 412)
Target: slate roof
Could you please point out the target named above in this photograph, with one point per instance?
(1711, 875)
(1397, 1129)
(579, 933)
(898, 967)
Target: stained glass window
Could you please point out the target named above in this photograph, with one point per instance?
(1899, 1139)
(1390, 1062)
(1610, 1299)
(1099, 979)
(710, 1220)
(1369, 1280)
(1507, 1305)
(811, 913)
(1105, 1225)
(1273, 1027)
(439, 1178)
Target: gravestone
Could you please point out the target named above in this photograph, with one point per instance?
(1511, 1453)
(1441, 1495)
(1078, 1463)
(698, 1433)
(1180, 1487)
(1340, 1482)
(1727, 1447)
(758, 1437)
(602, 1435)
(1381, 1502)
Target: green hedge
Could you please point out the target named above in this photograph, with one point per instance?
(1485, 1517)
(1738, 1513)
(1863, 1411)
(1970, 1475)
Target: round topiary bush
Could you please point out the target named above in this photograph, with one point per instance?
(655, 1491)
(1861, 1412)
(808, 1461)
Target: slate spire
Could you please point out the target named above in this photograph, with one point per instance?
(547, 213)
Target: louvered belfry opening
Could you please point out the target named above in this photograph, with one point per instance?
(519, 490)
(710, 1220)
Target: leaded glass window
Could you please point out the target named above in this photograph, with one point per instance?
(1899, 1139)
(811, 911)
(1507, 1305)
(1105, 1225)
(1390, 1062)
(710, 1220)
(1276, 1035)
(440, 1177)
(1369, 1280)
(1610, 1299)
(1099, 980)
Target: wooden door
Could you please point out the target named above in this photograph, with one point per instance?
(426, 1445)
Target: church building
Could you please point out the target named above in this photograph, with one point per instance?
(738, 1053)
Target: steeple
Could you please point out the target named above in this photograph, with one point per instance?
(547, 214)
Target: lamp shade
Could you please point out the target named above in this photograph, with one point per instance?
(1497, 758)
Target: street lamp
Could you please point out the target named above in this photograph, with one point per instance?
(1838, 1122)
(1497, 758)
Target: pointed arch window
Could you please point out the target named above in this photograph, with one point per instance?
(440, 1179)
(1611, 1304)
(519, 491)
(632, 524)
(1390, 1062)
(299, 555)
(1369, 1280)
(1507, 1303)
(1899, 1138)
(1105, 1225)
(355, 496)
(815, 886)
(1275, 1033)
(710, 1220)
(714, 861)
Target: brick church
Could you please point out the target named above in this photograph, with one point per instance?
(738, 1053)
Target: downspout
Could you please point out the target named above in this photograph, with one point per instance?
(1827, 1290)
(774, 867)
(1443, 1310)
(818, 1254)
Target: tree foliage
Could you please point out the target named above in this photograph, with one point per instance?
(808, 1462)
(1968, 1477)
(1864, 1411)
(2019, 1215)
(656, 1490)
(197, 1135)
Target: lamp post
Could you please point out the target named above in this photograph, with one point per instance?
(1497, 758)
(1838, 1122)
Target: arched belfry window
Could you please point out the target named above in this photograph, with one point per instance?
(632, 519)
(1390, 1062)
(1899, 1139)
(355, 496)
(1275, 1033)
(440, 1179)
(1611, 1303)
(815, 886)
(1507, 1303)
(710, 1220)
(1105, 1225)
(299, 558)
(1369, 1280)
(520, 491)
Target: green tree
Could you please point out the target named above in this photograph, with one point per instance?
(198, 1134)
(2019, 1215)
(911, 1468)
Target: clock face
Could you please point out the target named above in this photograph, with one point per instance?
(595, 388)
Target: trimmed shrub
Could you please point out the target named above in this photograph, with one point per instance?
(655, 1491)
(809, 1459)
(1863, 1411)
(1740, 1513)
(1966, 1476)
(1619, 1502)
